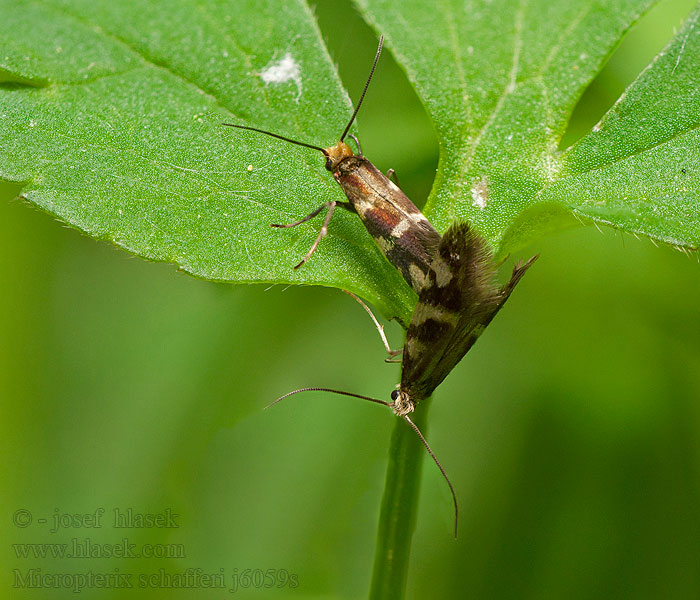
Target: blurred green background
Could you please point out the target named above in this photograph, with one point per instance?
(571, 432)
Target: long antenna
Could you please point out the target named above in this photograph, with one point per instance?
(342, 137)
(318, 389)
(276, 135)
(357, 108)
(437, 462)
(390, 405)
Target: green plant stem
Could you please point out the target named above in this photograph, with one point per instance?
(397, 519)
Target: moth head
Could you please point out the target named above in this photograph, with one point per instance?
(403, 404)
(336, 154)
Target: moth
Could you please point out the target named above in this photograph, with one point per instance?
(458, 299)
(456, 304)
(453, 274)
(405, 237)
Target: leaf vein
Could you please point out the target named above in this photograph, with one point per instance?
(508, 89)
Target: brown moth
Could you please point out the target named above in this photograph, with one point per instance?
(457, 301)
(403, 234)
(456, 304)
(453, 274)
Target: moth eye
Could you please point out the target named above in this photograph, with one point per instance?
(329, 164)
(395, 395)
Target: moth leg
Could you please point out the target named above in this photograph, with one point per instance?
(391, 174)
(311, 215)
(346, 205)
(321, 234)
(392, 354)
(380, 329)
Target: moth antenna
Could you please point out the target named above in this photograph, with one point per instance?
(408, 420)
(340, 392)
(362, 97)
(279, 137)
(347, 128)
(437, 462)
(357, 143)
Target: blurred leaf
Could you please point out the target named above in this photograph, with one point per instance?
(500, 80)
(111, 117)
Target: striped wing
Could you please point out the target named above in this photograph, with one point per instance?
(403, 234)
(459, 300)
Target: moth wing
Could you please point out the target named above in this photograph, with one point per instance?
(453, 296)
(460, 299)
(471, 326)
(403, 234)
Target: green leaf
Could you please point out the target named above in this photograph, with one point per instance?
(500, 80)
(111, 114)
(639, 169)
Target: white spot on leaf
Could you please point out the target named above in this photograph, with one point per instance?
(549, 167)
(281, 71)
(480, 192)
